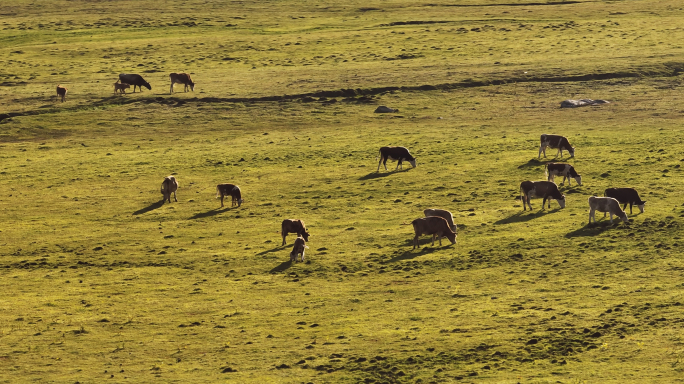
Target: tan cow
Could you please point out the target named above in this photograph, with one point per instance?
(299, 247)
(435, 226)
(606, 204)
(169, 186)
(229, 190)
(61, 92)
(294, 226)
(442, 213)
(181, 78)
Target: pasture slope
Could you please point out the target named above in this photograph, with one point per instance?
(104, 283)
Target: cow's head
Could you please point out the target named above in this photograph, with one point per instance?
(240, 201)
(413, 162)
(572, 151)
(148, 86)
(305, 235)
(578, 179)
(641, 206)
(192, 86)
(561, 201)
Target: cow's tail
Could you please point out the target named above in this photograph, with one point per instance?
(522, 195)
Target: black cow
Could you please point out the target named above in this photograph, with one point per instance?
(555, 141)
(543, 189)
(134, 80)
(626, 196)
(562, 169)
(395, 153)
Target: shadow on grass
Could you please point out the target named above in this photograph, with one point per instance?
(377, 175)
(276, 249)
(282, 267)
(593, 229)
(213, 212)
(524, 216)
(408, 255)
(151, 207)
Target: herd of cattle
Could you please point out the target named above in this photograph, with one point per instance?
(126, 80)
(439, 222)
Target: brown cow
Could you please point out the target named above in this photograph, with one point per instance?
(229, 190)
(299, 247)
(61, 92)
(182, 78)
(169, 185)
(435, 226)
(121, 87)
(606, 204)
(544, 189)
(294, 226)
(395, 153)
(442, 213)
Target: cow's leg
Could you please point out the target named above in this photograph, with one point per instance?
(542, 148)
(174, 197)
(399, 165)
(284, 234)
(630, 208)
(433, 240)
(592, 212)
(439, 237)
(415, 241)
(221, 200)
(611, 217)
(302, 259)
(171, 88)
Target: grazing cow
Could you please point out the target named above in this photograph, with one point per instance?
(182, 78)
(294, 226)
(432, 225)
(544, 189)
(555, 141)
(299, 247)
(229, 190)
(61, 92)
(626, 196)
(169, 185)
(446, 215)
(134, 80)
(395, 153)
(606, 204)
(121, 87)
(562, 169)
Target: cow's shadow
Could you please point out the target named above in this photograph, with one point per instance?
(524, 216)
(408, 255)
(593, 229)
(284, 266)
(272, 250)
(379, 174)
(149, 208)
(213, 212)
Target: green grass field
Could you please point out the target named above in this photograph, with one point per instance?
(104, 283)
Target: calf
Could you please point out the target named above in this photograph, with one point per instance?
(121, 87)
(446, 215)
(182, 78)
(606, 204)
(229, 190)
(555, 141)
(299, 247)
(169, 185)
(135, 80)
(562, 169)
(294, 226)
(395, 153)
(544, 189)
(435, 226)
(626, 196)
(61, 92)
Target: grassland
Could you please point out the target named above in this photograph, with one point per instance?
(104, 283)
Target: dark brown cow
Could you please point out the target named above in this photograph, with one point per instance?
(294, 226)
(435, 226)
(555, 141)
(395, 153)
(562, 169)
(182, 78)
(135, 80)
(169, 186)
(231, 190)
(299, 247)
(61, 92)
(544, 189)
(606, 204)
(442, 213)
(626, 196)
